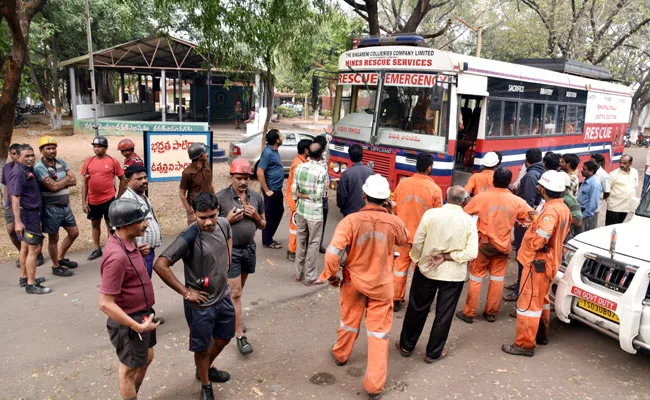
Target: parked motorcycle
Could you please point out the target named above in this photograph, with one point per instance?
(627, 141)
(642, 141)
(20, 121)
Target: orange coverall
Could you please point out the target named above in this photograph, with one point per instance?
(533, 305)
(413, 196)
(367, 285)
(480, 181)
(292, 204)
(497, 210)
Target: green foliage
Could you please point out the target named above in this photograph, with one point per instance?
(286, 112)
(327, 113)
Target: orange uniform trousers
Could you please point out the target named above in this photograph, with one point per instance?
(379, 319)
(478, 269)
(293, 229)
(533, 308)
(401, 271)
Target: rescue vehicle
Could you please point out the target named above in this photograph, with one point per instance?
(603, 280)
(397, 97)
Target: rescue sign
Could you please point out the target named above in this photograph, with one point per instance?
(410, 79)
(358, 79)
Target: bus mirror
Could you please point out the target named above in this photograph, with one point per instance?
(437, 98)
(315, 90)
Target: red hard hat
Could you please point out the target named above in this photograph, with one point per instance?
(240, 166)
(125, 144)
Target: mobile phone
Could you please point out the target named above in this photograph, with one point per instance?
(540, 265)
(155, 319)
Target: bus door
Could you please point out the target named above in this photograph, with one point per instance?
(469, 117)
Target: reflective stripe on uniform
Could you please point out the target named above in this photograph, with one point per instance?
(378, 335)
(475, 278)
(349, 328)
(497, 278)
(398, 273)
(546, 307)
(334, 250)
(293, 232)
(528, 313)
(543, 233)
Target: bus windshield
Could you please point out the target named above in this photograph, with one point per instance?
(355, 99)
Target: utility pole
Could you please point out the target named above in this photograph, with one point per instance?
(479, 34)
(91, 69)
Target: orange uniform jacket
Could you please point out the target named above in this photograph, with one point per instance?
(287, 196)
(497, 211)
(552, 226)
(370, 235)
(414, 196)
(480, 182)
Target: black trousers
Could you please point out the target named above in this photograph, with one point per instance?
(614, 217)
(423, 292)
(326, 209)
(273, 211)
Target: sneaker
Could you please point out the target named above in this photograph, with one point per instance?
(490, 317)
(464, 317)
(37, 289)
(206, 393)
(60, 271)
(243, 345)
(39, 260)
(22, 282)
(64, 262)
(215, 375)
(95, 254)
(516, 351)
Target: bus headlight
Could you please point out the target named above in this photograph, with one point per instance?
(568, 251)
(336, 167)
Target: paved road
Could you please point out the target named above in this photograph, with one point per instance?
(56, 347)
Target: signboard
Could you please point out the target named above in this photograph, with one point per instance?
(411, 79)
(166, 153)
(396, 58)
(117, 127)
(606, 117)
(369, 79)
(512, 89)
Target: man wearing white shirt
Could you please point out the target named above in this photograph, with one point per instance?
(602, 175)
(446, 239)
(624, 183)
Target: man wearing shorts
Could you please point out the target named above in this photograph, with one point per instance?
(55, 177)
(98, 190)
(126, 296)
(205, 247)
(26, 207)
(244, 210)
(14, 150)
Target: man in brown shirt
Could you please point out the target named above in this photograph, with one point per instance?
(196, 178)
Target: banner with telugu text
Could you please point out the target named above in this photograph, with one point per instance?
(166, 153)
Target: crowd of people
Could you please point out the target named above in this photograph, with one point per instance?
(383, 235)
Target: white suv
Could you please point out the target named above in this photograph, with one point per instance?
(603, 280)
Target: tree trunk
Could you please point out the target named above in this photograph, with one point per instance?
(269, 105)
(634, 122)
(373, 17)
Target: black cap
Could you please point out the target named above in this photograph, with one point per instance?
(100, 141)
(123, 212)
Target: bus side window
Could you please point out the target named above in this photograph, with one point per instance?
(571, 119)
(560, 119)
(509, 118)
(538, 114)
(525, 116)
(549, 119)
(493, 126)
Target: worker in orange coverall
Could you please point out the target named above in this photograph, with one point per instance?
(413, 196)
(482, 181)
(541, 255)
(497, 210)
(369, 237)
(303, 155)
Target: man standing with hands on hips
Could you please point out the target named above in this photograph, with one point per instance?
(126, 296)
(205, 248)
(244, 210)
(270, 173)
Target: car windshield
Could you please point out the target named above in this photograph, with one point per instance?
(644, 207)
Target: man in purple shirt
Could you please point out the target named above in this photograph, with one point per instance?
(26, 207)
(14, 149)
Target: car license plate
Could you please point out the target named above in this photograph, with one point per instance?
(598, 310)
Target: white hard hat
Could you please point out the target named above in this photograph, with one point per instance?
(377, 187)
(567, 178)
(553, 181)
(490, 159)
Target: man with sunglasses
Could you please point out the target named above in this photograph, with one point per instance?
(55, 178)
(205, 248)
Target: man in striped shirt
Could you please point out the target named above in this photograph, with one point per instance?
(309, 184)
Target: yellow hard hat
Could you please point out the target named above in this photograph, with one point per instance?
(45, 140)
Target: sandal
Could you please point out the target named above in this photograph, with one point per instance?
(402, 352)
(274, 245)
(430, 360)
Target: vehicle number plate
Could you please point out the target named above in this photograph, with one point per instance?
(598, 310)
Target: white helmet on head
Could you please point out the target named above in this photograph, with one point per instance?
(553, 181)
(490, 159)
(377, 187)
(567, 178)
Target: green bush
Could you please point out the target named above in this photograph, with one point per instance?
(327, 113)
(286, 112)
